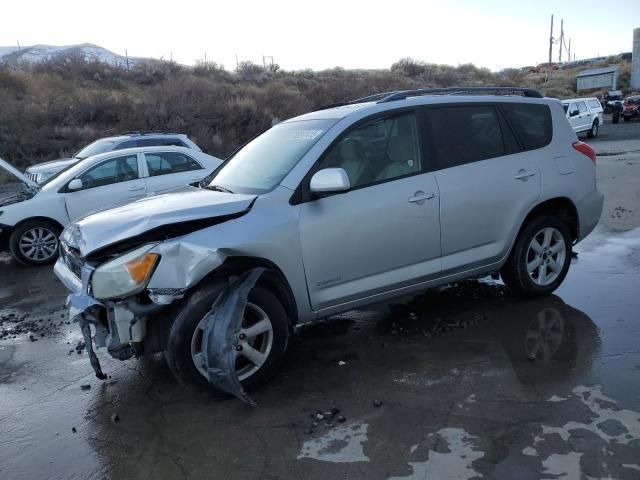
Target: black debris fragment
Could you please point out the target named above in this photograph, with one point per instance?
(341, 419)
(74, 430)
(115, 418)
(85, 387)
(377, 403)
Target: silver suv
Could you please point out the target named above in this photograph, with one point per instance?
(41, 172)
(330, 211)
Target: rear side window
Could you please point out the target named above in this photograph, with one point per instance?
(467, 134)
(582, 107)
(169, 162)
(594, 104)
(532, 123)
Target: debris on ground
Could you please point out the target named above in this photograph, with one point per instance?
(74, 429)
(36, 324)
(377, 403)
(342, 363)
(115, 418)
(79, 347)
(85, 387)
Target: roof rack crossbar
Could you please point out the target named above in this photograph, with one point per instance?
(403, 94)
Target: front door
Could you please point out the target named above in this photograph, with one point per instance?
(109, 183)
(384, 233)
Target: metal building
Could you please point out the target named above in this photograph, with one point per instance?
(635, 61)
(598, 78)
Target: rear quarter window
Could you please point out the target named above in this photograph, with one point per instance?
(531, 122)
(594, 104)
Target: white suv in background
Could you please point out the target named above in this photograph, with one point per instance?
(584, 115)
(32, 216)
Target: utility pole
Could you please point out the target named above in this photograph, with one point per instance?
(205, 58)
(569, 55)
(561, 40)
(126, 54)
(19, 49)
(548, 77)
(237, 64)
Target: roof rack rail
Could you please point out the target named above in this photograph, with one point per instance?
(403, 94)
(150, 132)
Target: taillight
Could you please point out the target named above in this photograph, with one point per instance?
(585, 149)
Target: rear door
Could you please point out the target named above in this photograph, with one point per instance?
(485, 178)
(166, 170)
(584, 117)
(109, 183)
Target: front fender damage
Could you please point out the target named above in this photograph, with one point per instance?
(221, 325)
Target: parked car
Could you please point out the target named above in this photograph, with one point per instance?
(631, 108)
(346, 206)
(32, 216)
(42, 171)
(584, 115)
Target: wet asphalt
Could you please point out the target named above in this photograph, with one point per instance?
(466, 381)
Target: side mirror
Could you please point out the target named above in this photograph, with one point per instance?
(329, 180)
(75, 184)
(575, 113)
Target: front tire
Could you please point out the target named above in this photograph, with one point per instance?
(263, 352)
(593, 133)
(35, 242)
(540, 258)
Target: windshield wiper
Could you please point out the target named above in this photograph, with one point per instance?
(218, 188)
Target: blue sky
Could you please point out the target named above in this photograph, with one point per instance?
(327, 33)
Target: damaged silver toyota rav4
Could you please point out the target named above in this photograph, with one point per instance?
(333, 210)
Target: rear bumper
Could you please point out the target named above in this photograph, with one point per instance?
(589, 212)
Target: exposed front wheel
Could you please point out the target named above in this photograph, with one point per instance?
(35, 242)
(259, 345)
(540, 258)
(593, 133)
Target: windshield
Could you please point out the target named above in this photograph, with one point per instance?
(99, 146)
(262, 164)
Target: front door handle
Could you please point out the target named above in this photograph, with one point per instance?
(420, 197)
(134, 188)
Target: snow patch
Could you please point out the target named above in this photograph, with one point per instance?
(556, 398)
(563, 467)
(455, 464)
(339, 445)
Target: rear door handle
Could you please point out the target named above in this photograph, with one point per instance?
(421, 197)
(134, 188)
(523, 175)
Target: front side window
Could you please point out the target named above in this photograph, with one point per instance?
(95, 148)
(164, 163)
(263, 162)
(377, 151)
(115, 170)
(465, 134)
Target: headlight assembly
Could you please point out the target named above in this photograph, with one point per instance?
(125, 275)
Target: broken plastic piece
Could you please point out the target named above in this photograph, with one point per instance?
(79, 309)
(221, 325)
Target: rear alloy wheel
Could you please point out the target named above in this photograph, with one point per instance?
(593, 133)
(540, 258)
(35, 242)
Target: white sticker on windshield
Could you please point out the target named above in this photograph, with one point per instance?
(305, 134)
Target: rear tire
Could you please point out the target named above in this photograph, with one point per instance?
(593, 133)
(540, 258)
(35, 242)
(179, 352)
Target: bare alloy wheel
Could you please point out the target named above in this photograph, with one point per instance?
(546, 256)
(38, 244)
(252, 343)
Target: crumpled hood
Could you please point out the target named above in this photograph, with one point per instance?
(107, 227)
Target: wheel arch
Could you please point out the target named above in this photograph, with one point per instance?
(36, 218)
(563, 207)
(273, 280)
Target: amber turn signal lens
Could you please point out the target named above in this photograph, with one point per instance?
(140, 267)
